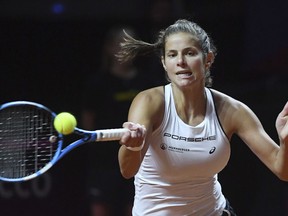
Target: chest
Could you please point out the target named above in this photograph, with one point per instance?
(182, 153)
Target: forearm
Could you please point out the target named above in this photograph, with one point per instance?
(282, 162)
(129, 161)
(282, 155)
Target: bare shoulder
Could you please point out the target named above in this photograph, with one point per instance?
(223, 101)
(153, 95)
(151, 100)
(231, 111)
(148, 106)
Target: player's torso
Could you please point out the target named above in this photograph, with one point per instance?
(180, 152)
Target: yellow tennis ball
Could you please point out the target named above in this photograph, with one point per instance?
(65, 123)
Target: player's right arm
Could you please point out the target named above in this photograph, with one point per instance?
(145, 114)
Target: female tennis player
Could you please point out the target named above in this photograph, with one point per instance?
(186, 127)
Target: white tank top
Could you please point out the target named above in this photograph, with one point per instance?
(178, 175)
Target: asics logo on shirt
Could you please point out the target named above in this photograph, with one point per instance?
(190, 139)
(212, 150)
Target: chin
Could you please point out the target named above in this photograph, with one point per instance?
(187, 82)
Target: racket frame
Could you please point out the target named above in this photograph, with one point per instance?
(87, 136)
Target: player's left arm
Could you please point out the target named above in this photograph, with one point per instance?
(282, 125)
(250, 130)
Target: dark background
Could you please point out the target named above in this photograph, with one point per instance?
(49, 48)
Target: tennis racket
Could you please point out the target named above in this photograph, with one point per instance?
(29, 143)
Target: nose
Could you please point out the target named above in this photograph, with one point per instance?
(181, 61)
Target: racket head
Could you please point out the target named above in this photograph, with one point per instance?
(29, 143)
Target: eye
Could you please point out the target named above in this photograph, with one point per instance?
(191, 53)
(171, 54)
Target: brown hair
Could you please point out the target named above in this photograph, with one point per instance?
(132, 47)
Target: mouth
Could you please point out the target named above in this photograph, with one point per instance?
(184, 74)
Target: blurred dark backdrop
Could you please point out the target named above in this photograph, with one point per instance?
(48, 48)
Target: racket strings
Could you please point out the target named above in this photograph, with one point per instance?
(25, 146)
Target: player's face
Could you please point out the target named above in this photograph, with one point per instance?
(183, 60)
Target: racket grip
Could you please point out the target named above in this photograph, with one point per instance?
(110, 134)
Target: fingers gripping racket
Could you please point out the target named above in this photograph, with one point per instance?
(29, 143)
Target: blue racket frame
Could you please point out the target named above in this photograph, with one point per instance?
(87, 136)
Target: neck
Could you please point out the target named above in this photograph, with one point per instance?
(190, 104)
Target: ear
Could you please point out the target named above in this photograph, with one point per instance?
(209, 59)
(163, 63)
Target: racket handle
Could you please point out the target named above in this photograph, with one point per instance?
(110, 134)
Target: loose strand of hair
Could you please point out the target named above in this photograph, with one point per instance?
(132, 47)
